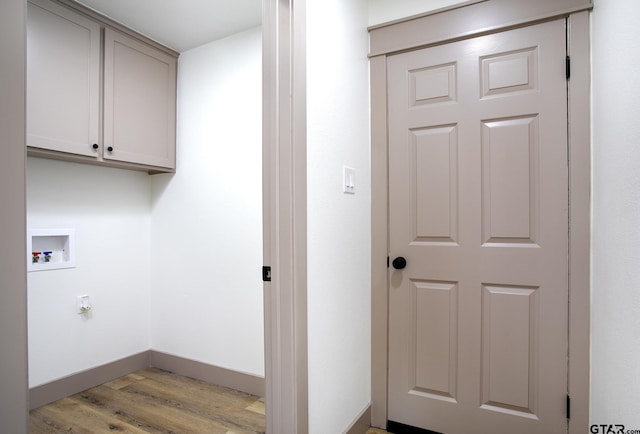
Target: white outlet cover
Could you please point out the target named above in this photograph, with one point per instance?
(84, 304)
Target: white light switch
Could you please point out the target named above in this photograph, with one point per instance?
(349, 184)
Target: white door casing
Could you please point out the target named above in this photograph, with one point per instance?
(284, 215)
(478, 204)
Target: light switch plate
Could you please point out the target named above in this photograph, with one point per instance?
(349, 180)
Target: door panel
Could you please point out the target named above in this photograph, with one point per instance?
(434, 343)
(509, 171)
(509, 347)
(478, 206)
(140, 102)
(63, 79)
(434, 175)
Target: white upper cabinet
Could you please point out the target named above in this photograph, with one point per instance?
(63, 80)
(131, 124)
(139, 102)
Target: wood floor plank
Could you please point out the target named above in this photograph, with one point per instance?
(69, 415)
(199, 388)
(152, 401)
(229, 408)
(121, 382)
(147, 412)
(258, 407)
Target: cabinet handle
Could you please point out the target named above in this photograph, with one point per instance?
(110, 149)
(94, 146)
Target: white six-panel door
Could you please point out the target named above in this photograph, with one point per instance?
(478, 206)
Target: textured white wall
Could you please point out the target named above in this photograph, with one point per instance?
(339, 225)
(109, 209)
(206, 253)
(615, 382)
(381, 11)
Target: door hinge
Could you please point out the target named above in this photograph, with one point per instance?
(568, 407)
(266, 273)
(568, 67)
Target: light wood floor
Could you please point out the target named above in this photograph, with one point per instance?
(152, 401)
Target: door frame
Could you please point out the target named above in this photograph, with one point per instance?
(284, 202)
(14, 397)
(284, 217)
(458, 23)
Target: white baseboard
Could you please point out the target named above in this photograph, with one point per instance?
(241, 381)
(362, 422)
(74, 383)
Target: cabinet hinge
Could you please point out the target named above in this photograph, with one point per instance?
(266, 273)
(568, 407)
(568, 67)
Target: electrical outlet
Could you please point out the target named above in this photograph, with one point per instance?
(84, 304)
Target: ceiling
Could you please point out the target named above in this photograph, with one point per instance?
(182, 24)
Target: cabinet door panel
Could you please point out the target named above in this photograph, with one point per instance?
(63, 79)
(140, 95)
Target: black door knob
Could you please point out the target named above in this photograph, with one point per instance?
(94, 146)
(110, 149)
(399, 263)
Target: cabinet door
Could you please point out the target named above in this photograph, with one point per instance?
(63, 79)
(139, 102)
